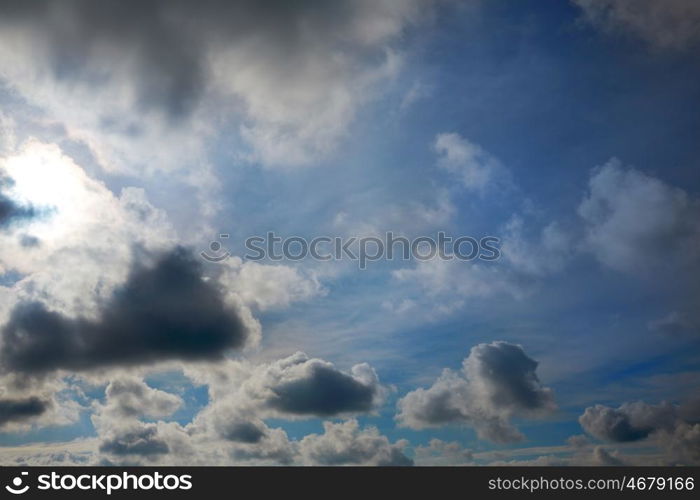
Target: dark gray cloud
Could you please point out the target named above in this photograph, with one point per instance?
(674, 428)
(295, 387)
(139, 441)
(629, 422)
(13, 410)
(166, 42)
(497, 381)
(168, 63)
(244, 432)
(323, 391)
(507, 377)
(164, 311)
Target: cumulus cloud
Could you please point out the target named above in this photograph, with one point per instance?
(142, 440)
(293, 387)
(37, 404)
(345, 443)
(295, 76)
(682, 444)
(637, 223)
(313, 387)
(163, 311)
(672, 24)
(674, 428)
(629, 422)
(227, 431)
(497, 381)
(132, 397)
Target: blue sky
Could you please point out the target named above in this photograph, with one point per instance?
(360, 119)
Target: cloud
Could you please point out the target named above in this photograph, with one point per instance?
(273, 448)
(163, 311)
(227, 431)
(602, 457)
(476, 168)
(293, 387)
(131, 397)
(539, 255)
(320, 389)
(10, 210)
(672, 24)
(244, 432)
(682, 444)
(446, 284)
(629, 422)
(293, 75)
(79, 224)
(268, 287)
(12, 410)
(440, 452)
(675, 429)
(637, 223)
(142, 440)
(497, 381)
(345, 443)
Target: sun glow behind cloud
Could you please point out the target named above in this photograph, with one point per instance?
(60, 192)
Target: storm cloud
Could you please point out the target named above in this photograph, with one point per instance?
(13, 410)
(497, 381)
(164, 311)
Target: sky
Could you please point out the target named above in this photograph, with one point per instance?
(142, 144)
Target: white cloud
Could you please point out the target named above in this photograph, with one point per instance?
(79, 225)
(264, 287)
(476, 168)
(637, 223)
(345, 443)
(439, 452)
